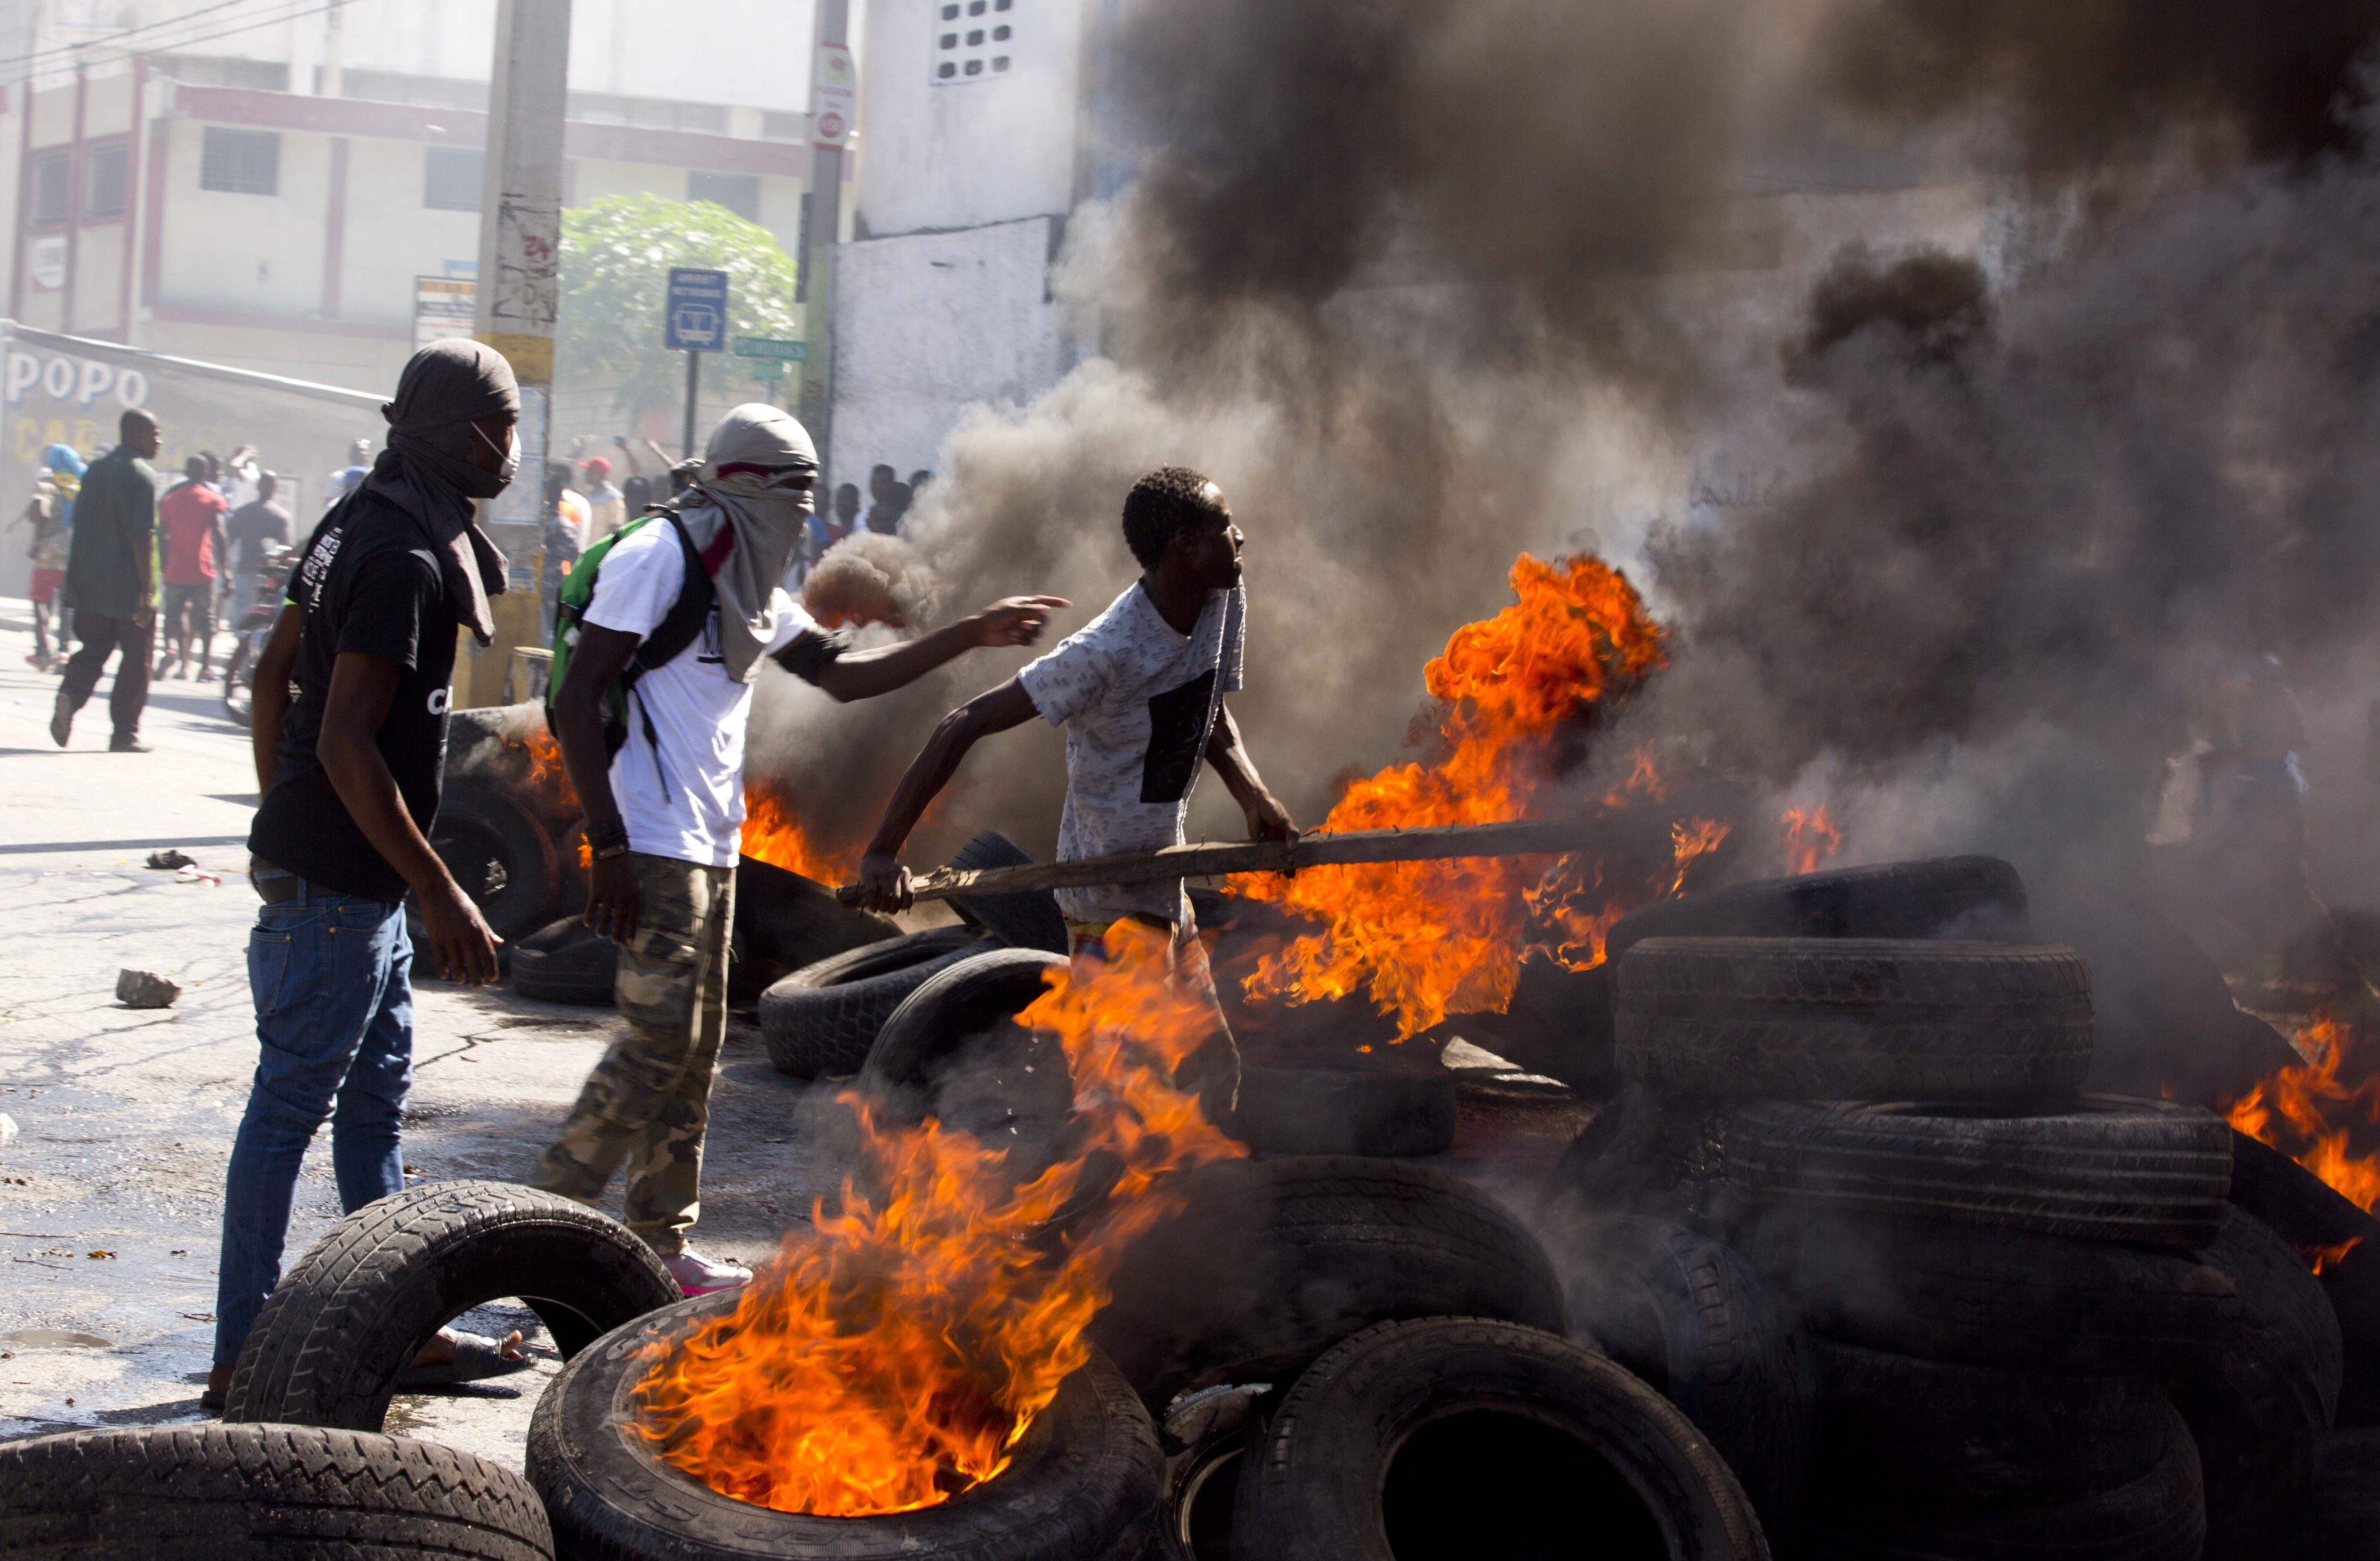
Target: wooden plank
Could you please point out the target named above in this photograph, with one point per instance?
(1528, 837)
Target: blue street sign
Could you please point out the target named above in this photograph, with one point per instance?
(696, 320)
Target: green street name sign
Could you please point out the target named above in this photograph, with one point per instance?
(771, 347)
(768, 369)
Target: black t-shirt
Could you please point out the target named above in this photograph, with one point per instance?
(367, 583)
(250, 528)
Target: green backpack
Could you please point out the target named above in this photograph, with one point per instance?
(665, 644)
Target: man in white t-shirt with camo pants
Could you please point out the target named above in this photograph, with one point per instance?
(664, 815)
(1140, 691)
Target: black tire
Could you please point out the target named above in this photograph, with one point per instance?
(503, 858)
(1387, 1104)
(1206, 1440)
(2146, 1172)
(1463, 1436)
(1645, 1153)
(1558, 1024)
(1082, 1484)
(567, 963)
(2159, 1517)
(2299, 1206)
(2341, 1518)
(821, 1021)
(936, 1027)
(1854, 1019)
(1295, 1254)
(228, 1493)
(1976, 1434)
(342, 1324)
(2261, 1409)
(785, 921)
(1967, 897)
(2353, 1283)
(1980, 1296)
(1029, 920)
(1707, 1332)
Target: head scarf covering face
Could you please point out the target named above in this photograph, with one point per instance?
(427, 471)
(768, 520)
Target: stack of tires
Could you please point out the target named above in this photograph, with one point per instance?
(2029, 1321)
(1371, 1364)
(299, 1466)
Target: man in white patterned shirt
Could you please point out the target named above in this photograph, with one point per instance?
(1140, 691)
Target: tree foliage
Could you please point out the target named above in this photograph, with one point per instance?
(617, 255)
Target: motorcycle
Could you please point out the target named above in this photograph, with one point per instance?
(252, 630)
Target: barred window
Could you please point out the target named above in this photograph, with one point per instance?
(104, 195)
(242, 162)
(51, 176)
(740, 193)
(451, 177)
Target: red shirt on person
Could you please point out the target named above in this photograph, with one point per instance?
(191, 511)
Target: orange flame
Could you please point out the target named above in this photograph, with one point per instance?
(2309, 1113)
(773, 833)
(1424, 939)
(896, 1358)
(1810, 838)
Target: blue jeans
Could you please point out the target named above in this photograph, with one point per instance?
(332, 975)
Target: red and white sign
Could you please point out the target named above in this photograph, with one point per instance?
(834, 96)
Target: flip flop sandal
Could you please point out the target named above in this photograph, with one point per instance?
(476, 1357)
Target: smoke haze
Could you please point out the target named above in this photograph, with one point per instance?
(1960, 382)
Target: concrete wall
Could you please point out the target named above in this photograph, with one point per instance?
(258, 254)
(925, 324)
(989, 150)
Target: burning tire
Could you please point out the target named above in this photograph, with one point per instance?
(1205, 1439)
(1854, 1019)
(2261, 1408)
(346, 1320)
(952, 1036)
(1977, 1433)
(196, 1492)
(1699, 1326)
(1974, 897)
(1644, 1153)
(503, 858)
(567, 963)
(2302, 1210)
(1082, 1484)
(1295, 1255)
(1982, 1296)
(1369, 1451)
(1387, 1104)
(2146, 1172)
(784, 923)
(821, 1021)
(1029, 920)
(1559, 1025)
(2158, 1517)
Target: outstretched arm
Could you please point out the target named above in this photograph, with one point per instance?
(864, 675)
(1266, 819)
(883, 882)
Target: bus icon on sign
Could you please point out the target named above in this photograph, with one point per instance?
(696, 318)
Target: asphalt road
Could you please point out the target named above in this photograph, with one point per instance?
(111, 1186)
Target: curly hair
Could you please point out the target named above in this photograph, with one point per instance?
(1160, 504)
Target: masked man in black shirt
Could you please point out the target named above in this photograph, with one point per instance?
(349, 773)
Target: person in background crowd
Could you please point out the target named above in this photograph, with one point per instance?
(605, 507)
(917, 481)
(240, 475)
(665, 814)
(891, 497)
(1139, 692)
(253, 530)
(108, 578)
(564, 533)
(345, 480)
(192, 515)
(826, 529)
(53, 538)
(350, 771)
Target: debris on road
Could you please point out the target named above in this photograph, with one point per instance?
(169, 859)
(145, 988)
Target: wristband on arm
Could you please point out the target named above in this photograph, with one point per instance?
(607, 838)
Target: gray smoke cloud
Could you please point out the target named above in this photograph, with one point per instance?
(2006, 457)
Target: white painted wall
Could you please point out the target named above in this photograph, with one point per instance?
(926, 323)
(990, 150)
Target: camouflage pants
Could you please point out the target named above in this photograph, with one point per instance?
(649, 1100)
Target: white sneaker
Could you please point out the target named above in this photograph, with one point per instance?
(697, 1275)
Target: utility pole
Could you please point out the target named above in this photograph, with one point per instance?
(335, 53)
(830, 130)
(518, 292)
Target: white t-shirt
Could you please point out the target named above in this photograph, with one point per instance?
(1138, 700)
(688, 799)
